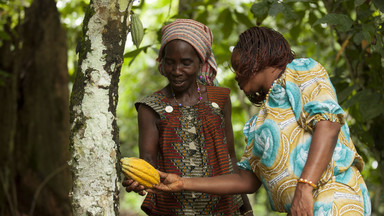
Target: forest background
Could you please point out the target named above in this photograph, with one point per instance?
(39, 45)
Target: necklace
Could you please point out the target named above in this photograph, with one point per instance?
(279, 78)
(269, 91)
(198, 91)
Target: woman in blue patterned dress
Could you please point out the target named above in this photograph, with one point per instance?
(298, 146)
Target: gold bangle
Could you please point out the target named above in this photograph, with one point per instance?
(249, 211)
(306, 181)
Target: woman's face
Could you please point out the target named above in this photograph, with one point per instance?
(181, 65)
(256, 83)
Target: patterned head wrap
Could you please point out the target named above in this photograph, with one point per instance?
(199, 36)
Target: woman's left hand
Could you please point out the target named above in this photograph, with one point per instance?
(322, 146)
(303, 202)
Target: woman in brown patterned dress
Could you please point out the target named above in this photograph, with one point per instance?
(185, 128)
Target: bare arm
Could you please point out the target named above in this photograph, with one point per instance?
(246, 207)
(243, 183)
(239, 183)
(148, 134)
(323, 144)
(148, 144)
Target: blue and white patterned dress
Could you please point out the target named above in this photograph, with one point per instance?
(279, 136)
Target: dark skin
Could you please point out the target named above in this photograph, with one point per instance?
(320, 153)
(181, 65)
(322, 146)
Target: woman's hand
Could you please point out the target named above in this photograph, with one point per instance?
(322, 146)
(131, 185)
(169, 183)
(303, 202)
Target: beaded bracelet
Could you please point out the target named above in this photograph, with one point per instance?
(306, 182)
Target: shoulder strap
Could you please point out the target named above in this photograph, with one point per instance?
(156, 101)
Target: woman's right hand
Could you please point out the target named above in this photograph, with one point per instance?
(131, 185)
(169, 183)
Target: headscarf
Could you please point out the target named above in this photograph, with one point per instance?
(199, 36)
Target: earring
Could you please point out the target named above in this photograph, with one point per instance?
(255, 98)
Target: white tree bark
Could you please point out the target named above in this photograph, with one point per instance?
(94, 132)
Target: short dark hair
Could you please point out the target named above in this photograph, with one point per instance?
(261, 47)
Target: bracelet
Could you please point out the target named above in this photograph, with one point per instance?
(249, 211)
(306, 181)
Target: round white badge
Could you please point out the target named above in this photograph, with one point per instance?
(168, 109)
(215, 105)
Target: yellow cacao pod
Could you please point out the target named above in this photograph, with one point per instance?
(137, 30)
(140, 171)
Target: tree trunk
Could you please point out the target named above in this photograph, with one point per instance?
(94, 134)
(34, 117)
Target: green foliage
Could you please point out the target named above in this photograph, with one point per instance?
(72, 15)
(11, 13)
(340, 21)
(345, 36)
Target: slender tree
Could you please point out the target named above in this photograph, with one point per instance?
(94, 133)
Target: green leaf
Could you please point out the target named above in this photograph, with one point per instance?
(368, 31)
(289, 13)
(275, 9)
(4, 35)
(354, 99)
(379, 47)
(312, 18)
(379, 4)
(372, 112)
(359, 2)
(370, 105)
(228, 23)
(295, 32)
(260, 10)
(243, 19)
(133, 54)
(341, 21)
(346, 92)
(203, 17)
(358, 37)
